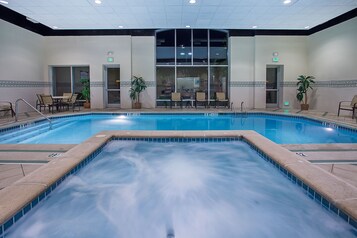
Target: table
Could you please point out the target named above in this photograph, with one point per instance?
(189, 102)
(59, 100)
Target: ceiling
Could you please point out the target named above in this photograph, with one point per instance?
(156, 14)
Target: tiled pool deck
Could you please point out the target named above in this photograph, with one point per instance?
(27, 170)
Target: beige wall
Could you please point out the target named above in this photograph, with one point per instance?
(332, 58)
(21, 64)
(143, 63)
(241, 58)
(249, 57)
(91, 51)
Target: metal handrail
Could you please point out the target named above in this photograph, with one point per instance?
(16, 110)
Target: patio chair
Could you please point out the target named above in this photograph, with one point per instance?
(200, 98)
(48, 102)
(348, 106)
(6, 106)
(72, 102)
(68, 95)
(221, 99)
(176, 98)
(39, 102)
(67, 98)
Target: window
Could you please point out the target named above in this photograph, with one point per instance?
(165, 47)
(200, 47)
(67, 79)
(218, 48)
(183, 47)
(190, 80)
(191, 60)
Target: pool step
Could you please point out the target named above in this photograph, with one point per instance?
(25, 129)
(30, 132)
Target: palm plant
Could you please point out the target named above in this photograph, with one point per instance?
(86, 89)
(137, 86)
(304, 83)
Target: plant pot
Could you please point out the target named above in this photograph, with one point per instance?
(304, 107)
(136, 105)
(86, 105)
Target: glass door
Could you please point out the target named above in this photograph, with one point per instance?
(112, 85)
(274, 75)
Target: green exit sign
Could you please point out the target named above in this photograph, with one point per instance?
(110, 59)
(275, 59)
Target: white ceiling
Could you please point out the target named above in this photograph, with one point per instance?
(154, 14)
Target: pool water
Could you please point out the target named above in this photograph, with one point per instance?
(280, 129)
(149, 189)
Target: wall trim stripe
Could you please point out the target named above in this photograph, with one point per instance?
(236, 84)
(97, 84)
(24, 84)
(149, 84)
(326, 84)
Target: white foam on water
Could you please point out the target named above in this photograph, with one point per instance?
(212, 190)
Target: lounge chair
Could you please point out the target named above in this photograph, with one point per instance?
(6, 106)
(176, 98)
(348, 106)
(200, 98)
(221, 99)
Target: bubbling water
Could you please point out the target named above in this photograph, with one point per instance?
(145, 189)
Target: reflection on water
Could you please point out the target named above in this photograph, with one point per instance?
(211, 190)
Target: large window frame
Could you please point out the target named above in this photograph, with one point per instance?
(70, 78)
(209, 64)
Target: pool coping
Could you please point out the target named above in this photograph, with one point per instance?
(331, 192)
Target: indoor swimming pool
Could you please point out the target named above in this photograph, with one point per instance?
(140, 188)
(281, 129)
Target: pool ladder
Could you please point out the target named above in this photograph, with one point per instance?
(28, 104)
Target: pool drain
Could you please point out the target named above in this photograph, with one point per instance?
(54, 155)
(301, 154)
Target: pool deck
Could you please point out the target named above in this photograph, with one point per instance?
(330, 168)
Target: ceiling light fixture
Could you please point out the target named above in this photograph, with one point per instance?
(4, 2)
(121, 26)
(188, 26)
(192, 1)
(254, 27)
(287, 2)
(98, 1)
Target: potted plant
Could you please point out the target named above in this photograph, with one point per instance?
(86, 92)
(304, 83)
(138, 85)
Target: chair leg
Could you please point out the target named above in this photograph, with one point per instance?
(353, 112)
(338, 112)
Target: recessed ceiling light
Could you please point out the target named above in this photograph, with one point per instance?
(254, 27)
(192, 1)
(121, 26)
(98, 1)
(307, 27)
(4, 2)
(287, 1)
(188, 26)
